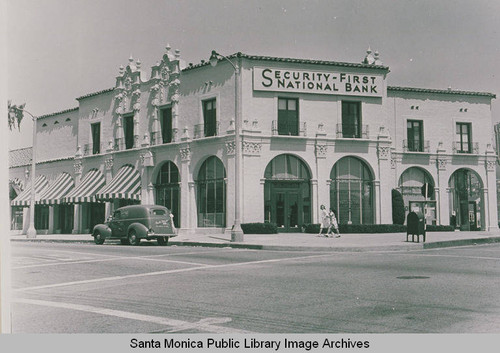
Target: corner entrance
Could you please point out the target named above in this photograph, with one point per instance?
(287, 194)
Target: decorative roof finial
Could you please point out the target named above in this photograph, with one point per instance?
(168, 48)
(138, 64)
(369, 59)
(131, 59)
(121, 69)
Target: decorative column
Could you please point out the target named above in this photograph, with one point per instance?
(490, 200)
(108, 162)
(51, 220)
(442, 198)
(320, 191)
(78, 177)
(120, 102)
(186, 192)
(253, 207)
(155, 126)
(230, 149)
(384, 214)
(147, 164)
(175, 84)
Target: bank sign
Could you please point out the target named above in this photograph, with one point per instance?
(319, 82)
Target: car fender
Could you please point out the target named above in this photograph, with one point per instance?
(140, 229)
(103, 229)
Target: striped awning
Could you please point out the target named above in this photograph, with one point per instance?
(24, 198)
(126, 184)
(85, 191)
(55, 192)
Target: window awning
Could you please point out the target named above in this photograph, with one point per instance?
(55, 192)
(126, 184)
(24, 198)
(85, 191)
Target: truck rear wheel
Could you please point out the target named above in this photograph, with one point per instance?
(132, 238)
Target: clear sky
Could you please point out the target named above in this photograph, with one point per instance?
(59, 50)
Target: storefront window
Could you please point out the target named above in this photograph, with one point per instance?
(287, 193)
(351, 191)
(410, 186)
(211, 201)
(466, 199)
(168, 190)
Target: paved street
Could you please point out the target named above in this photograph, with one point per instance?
(86, 288)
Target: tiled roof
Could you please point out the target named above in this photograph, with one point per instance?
(20, 157)
(95, 93)
(57, 113)
(292, 60)
(442, 91)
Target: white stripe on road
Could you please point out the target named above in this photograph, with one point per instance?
(157, 273)
(206, 324)
(106, 260)
(114, 257)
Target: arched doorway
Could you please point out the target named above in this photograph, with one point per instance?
(351, 191)
(466, 200)
(211, 185)
(410, 185)
(287, 193)
(168, 190)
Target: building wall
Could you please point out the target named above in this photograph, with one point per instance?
(57, 135)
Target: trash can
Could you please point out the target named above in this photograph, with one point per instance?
(415, 226)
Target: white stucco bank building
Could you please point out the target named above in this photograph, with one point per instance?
(312, 132)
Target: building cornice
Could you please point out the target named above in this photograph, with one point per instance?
(294, 61)
(440, 91)
(95, 93)
(57, 113)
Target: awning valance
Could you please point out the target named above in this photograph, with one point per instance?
(86, 190)
(55, 192)
(24, 198)
(126, 184)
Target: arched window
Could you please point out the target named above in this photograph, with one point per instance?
(410, 185)
(466, 200)
(168, 190)
(287, 193)
(211, 194)
(351, 191)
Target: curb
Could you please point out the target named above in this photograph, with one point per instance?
(461, 242)
(403, 247)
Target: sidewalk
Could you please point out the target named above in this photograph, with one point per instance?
(306, 241)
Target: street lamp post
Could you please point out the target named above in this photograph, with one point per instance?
(31, 233)
(236, 231)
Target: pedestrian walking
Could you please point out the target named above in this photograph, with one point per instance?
(334, 225)
(325, 221)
